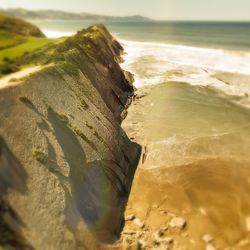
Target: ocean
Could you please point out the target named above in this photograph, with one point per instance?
(212, 59)
(208, 53)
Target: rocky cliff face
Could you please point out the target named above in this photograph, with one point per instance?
(66, 165)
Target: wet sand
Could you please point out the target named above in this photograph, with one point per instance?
(188, 195)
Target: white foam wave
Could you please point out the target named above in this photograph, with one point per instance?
(154, 63)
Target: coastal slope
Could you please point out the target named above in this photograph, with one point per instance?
(18, 37)
(66, 165)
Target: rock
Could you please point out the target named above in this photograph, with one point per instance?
(143, 244)
(159, 233)
(165, 228)
(248, 224)
(139, 223)
(210, 247)
(163, 212)
(192, 241)
(207, 238)
(140, 95)
(203, 211)
(129, 232)
(139, 234)
(172, 214)
(167, 240)
(158, 247)
(160, 239)
(244, 243)
(134, 246)
(130, 217)
(178, 223)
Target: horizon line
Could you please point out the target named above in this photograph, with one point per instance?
(150, 18)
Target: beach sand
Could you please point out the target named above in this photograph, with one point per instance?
(194, 202)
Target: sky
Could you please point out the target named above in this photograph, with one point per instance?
(157, 9)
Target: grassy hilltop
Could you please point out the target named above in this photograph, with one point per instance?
(18, 37)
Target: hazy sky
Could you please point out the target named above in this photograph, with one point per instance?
(158, 9)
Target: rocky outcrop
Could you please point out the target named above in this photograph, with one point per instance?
(66, 165)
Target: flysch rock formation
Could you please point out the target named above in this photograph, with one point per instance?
(66, 165)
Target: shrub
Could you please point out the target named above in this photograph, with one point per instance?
(39, 155)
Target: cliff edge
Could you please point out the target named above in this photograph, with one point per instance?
(66, 165)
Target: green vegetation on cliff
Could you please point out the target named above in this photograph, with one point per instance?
(18, 37)
(19, 26)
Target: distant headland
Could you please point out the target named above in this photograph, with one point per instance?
(63, 15)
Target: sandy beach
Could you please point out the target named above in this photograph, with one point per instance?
(192, 201)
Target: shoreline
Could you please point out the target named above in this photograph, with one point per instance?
(57, 34)
(160, 213)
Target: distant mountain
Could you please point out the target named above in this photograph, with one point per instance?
(63, 15)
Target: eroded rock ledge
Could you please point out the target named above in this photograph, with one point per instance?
(66, 165)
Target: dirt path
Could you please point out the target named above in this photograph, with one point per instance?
(8, 80)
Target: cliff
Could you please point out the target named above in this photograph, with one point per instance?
(66, 165)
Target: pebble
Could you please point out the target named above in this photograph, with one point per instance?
(244, 243)
(129, 232)
(167, 240)
(159, 239)
(203, 211)
(130, 217)
(143, 244)
(139, 223)
(192, 241)
(163, 212)
(159, 233)
(177, 222)
(207, 238)
(139, 234)
(165, 228)
(171, 214)
(140, 95)
(210, 247)
(248, 224)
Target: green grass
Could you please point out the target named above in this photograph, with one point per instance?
(31, 44)
(39, 155)
(9, 39)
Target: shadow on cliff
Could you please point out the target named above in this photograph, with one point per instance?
(12, 176)
(97, 193)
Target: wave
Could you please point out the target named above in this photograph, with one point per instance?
(155, 63)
